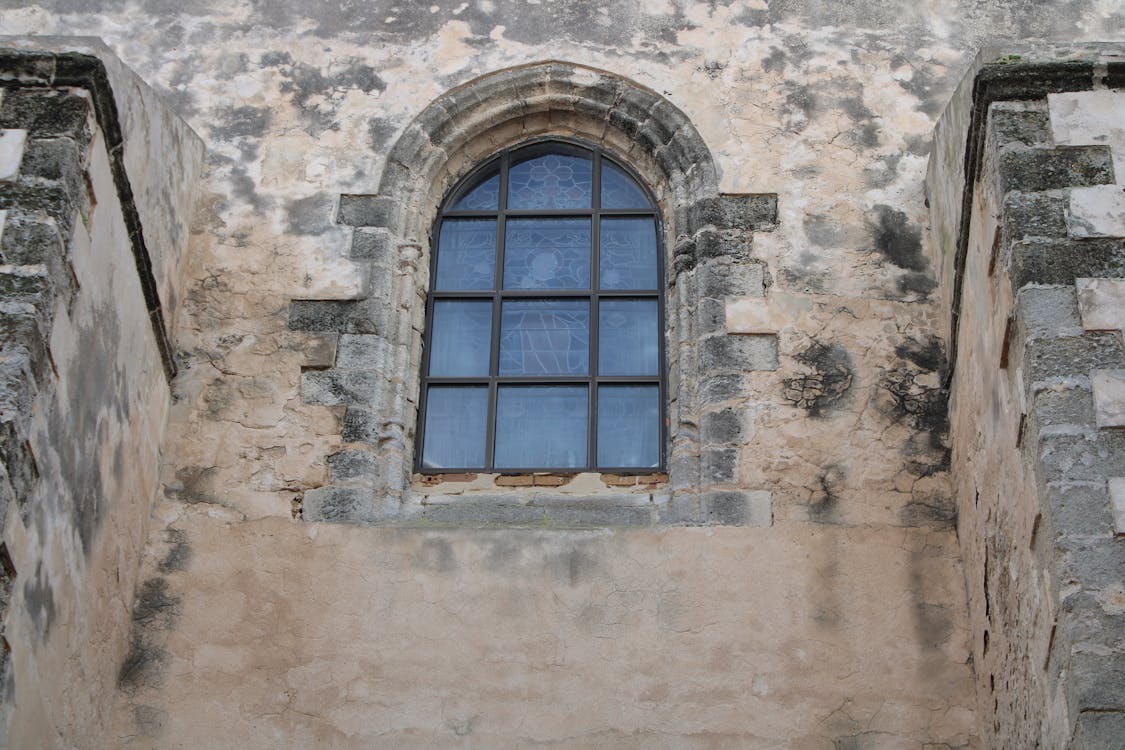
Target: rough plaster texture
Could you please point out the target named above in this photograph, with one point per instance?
(837, 627)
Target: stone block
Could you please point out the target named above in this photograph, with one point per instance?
(11, 152)
(719, 388)
(719, 465)
(748, 212)
(1090, 455)
(1034, 215)
(371, 244)
(723, 427)
(367, 210)
(1096, 212)
(755, 315)
(341, 387)
(363, 351)
(54, 160)
(47, 113)
(361, 426)
(1078, 508)
(1098, 682)
(27, 239)
(352, 467)
(1116, 486)
(341, 316)
(1009, 123)
(338, 504)
(738, 353)
(1099, 730)
(1101, 303)
(748, 508)
(1080, 118)
(1039, 261)
(1069, 356)
(1109, 397)
(1036, 169)
(1068, 405)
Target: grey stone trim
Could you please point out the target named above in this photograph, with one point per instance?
(375, 374)
(39, 71)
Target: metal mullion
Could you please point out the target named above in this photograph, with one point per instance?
(542, 379)
(595, 283)
(627, 379)
(497, 287)
(662, 384)
(427, 336)
(467, 294)
(455, 380)
(486, 214)
(627, 293)
(627, 213)
(550, 213)
(544, 294)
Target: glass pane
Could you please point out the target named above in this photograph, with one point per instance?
(541, 427)
(628, 254)
(628, 426)
(466, 254)
(484, 195)
(547, 254)
(550, 181)
(456, 427)
(461, 338)
(619, 190)
(545, 337)
(628, 339)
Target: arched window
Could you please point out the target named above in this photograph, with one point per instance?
(543, 346)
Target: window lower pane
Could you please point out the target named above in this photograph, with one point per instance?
(461, 338)
(456, 426)
(628, 253)
(629, 426)
(628, 337)
(541, 427)
(466, 255)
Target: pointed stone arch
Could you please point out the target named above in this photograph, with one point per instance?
(376, 370)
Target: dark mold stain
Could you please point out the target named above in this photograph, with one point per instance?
(574, 565)
(40, 598)
(143, 665)
(824, 499)
(798, 108)
(155, 612)
(194, 484)
(822, 230)
(929, 90)
(882, 171)
(243, 188)
(155, 608)
(240, 122)
(379, 132)
(311, 215)
(774, 61)
(897, 239)
(829, 381)
(913, 283)
(304, 82)
(925, 408)
(179, 551)
(927, 353)
(935, 512)
(436, 554)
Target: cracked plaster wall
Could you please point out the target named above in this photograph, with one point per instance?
(829, 106)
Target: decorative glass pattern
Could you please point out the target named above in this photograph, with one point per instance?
(547, 254)
(541, 426)
(456, 427)
(483, 196)
(550, 181)
(543, 342)
(545, 337)
(629, 426)
(628, 338)
(461, 337)
(628, 253)
(619, 190)
(467, 259)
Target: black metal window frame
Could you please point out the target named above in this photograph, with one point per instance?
(497, 295)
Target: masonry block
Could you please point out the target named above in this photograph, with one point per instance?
(48, 113)
(1036, 169)
(1109, 397)
(1067, 356)
(341, 387)
(338, 504)
(751, 508)
(363, 351)
(1099, 730)
(371, 244)
(361, 426)
(1096, 212)
(1020, 124)
(1079, 508)
(737, 353)
(1101, 303)
(1089, 455)
(367, 210)
(748, 212)
(1044, 261)
(352, 467)
(342, 316)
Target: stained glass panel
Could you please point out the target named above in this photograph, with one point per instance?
(547, 254)
(628, 254)
(460, 338)
(628, 339)
(629, 426)
(619, 190)
(484, 195)
(467, 254)
(541, 426)
(456, 427)
(551, 181)
(545, 337)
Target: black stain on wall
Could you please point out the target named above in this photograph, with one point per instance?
(179, 551)
(897, 239)
(828, 382)
(825, 498)
(155, 612)
(311, 215)
(40, 600)
(240, 122)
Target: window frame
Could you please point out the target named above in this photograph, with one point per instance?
(497, 295)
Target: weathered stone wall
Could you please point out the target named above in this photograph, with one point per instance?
(1035, 447)
(85, 385)
(836, 620)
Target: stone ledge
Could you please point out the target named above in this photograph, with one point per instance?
(1117, 504)
(1097, 211)
(1101, 303)
(11, 152)
(1109, 398)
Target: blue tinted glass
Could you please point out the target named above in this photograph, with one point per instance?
(619, 190)
(547, 254)
(628, 426)
(550, 181)
(628, 339)
(482, 196)
(466, 254)
(461, 338)
(545, 337)
(541, 427)
(628, 254)
(456, 422)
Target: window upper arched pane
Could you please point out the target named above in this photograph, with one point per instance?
(544, 325)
